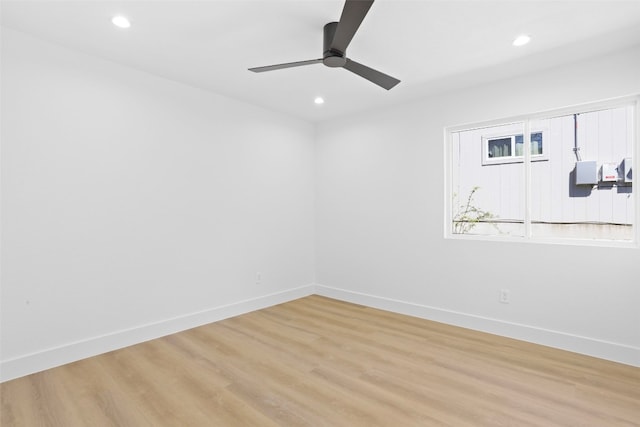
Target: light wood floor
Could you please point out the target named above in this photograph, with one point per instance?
(321, 362)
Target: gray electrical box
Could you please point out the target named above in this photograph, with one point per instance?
(625, 168)
(586, 172)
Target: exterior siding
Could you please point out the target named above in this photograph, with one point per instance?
(604, 136)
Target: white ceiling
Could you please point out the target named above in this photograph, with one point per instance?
(431, 46)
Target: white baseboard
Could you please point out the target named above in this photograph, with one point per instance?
(71, 352)
(621, 353)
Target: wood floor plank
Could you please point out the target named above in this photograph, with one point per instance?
(322, 362)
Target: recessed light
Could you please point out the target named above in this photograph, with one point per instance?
(120, 21)
(521, 40)
(319, 100)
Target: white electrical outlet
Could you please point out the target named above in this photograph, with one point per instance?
(258, 278)
(504, 296)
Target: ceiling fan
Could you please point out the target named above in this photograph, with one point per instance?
(337, 36)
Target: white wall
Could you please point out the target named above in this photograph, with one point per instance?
(133, 206)
(380, 222)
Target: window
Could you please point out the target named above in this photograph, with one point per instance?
(509, 149)
(498, 190)
(500, 147)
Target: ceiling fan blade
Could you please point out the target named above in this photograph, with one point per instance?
(353, 13)
(372, 75)
(287, 65)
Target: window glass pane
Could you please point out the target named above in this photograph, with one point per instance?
(487, 199)
(536, 143)
(519, 142)
(499, 147)
(563, 207)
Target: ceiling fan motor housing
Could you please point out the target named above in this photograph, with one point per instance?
(331, 57)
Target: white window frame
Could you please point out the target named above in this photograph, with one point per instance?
(486, 160)
(632, 100)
